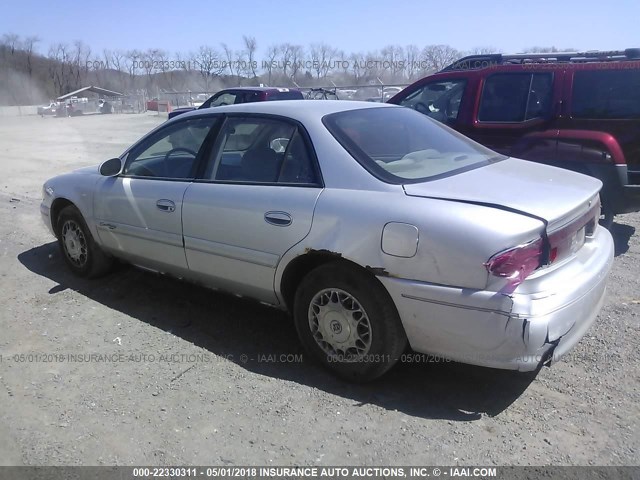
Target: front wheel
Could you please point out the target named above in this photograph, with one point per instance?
(346, 320)
(79, 250)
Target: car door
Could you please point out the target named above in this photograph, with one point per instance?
(514, 105)
(139, 212)
(254, 201)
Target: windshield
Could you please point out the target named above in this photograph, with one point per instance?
(400, 145)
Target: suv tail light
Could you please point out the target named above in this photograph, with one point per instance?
(517, 263)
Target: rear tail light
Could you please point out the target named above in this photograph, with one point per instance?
(517, 263)
(569, 239)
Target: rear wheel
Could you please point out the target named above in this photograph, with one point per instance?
(79, 250)
(347, 321)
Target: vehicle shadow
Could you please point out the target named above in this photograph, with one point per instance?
(263, 340)
(621, 234)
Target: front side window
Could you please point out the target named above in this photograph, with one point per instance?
(605, 94)
(516, 97)
(261, 150)
(170, 152)
(439, 100)
(399, 145)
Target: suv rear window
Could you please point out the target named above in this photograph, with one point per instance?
(400, 145)
(606, 94)
(516, 97)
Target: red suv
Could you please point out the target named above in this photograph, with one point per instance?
(579, 111)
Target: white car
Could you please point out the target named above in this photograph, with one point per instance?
(372, 224)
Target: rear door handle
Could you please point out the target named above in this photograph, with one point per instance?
(166, 205)
(279, 219)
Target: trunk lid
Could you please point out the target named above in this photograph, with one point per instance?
(555, 195)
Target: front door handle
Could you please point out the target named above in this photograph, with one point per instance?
(166, 205)
(279, 219)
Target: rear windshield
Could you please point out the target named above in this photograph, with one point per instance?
(400, 145)
(293, 95)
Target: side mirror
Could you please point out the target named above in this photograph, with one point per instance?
(111, 167)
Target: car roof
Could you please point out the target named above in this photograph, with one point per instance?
(566, 59)
(300, 110)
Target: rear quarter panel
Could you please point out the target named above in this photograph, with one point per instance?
(455, 239)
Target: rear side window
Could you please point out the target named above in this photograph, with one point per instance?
(516, 97)
(261, 150)
(606, 94)
(291, 95)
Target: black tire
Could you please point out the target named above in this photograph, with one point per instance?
(373, 306)
(80, 252)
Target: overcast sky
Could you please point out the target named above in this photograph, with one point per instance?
(354, 26)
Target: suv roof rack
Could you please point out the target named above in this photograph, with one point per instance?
(477, 62)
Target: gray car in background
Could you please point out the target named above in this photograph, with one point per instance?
(375, 226)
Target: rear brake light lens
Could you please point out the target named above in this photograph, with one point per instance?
(517, 263)
(571, 238)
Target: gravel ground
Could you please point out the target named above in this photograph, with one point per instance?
(160, 372)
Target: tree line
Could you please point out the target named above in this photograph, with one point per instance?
(28, 76)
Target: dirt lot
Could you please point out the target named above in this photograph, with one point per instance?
(204, 378)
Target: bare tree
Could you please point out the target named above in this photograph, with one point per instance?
(209, 64)
(29, 48)
(270, 62)
(251, 46)
(344, 63)
(12, 41)
(394, 62)
(322, 56)
(297, 53)
(228, 53)
(115, 60)
(436, 57)
(285, 57)
(483, 51)
(97, 69)
(67, 67)
(242, 66)
(412, 58)
(132, 62)
(149, 61)
(356, 63)
(164, 69)
(80, 63)
(58, 67)
(548, 50)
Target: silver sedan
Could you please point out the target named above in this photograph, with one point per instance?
(376, 227)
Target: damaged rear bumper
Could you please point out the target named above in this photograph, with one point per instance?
(540, 321)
